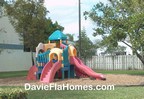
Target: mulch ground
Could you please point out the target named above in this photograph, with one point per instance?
(119, 80)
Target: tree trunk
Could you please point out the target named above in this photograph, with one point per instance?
(141, 58)
(137, 54)
(32, 58)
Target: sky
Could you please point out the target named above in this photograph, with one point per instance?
(65, 12)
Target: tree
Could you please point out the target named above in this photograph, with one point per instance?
(2, 14)
(2, 2)
(50, 28)
(88, 48)
(70, 37)
(29, 19)
(97, 45)
(119, 20)
(115, 50)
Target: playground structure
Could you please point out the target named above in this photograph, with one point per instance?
(57, 59)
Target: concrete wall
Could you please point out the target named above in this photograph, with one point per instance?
(8, 35)
(12, 59)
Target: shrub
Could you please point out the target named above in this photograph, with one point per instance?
(129, 68)
(13, 93)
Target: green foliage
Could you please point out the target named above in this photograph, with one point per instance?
(120, 20)
(50, 28)
(13, 93)
(2, 2)
(87, 46)
(70, 37)
(112, 50)
(29, 19)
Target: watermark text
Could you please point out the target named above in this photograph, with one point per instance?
(54, 86)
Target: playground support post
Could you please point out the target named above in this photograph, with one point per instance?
(79, 4)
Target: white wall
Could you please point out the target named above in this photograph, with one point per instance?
(12, 59)
(8, 34)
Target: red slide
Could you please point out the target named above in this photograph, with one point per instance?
(32, 73)
(85, 70)
(80, 62)
(49, 72)
(45, 70)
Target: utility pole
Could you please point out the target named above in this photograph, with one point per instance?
(79, 4)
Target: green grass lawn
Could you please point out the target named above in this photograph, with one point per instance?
(118, 93)
(13, 74)
(24, 73)
(130, 72)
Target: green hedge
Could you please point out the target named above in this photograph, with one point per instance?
(13, 93)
